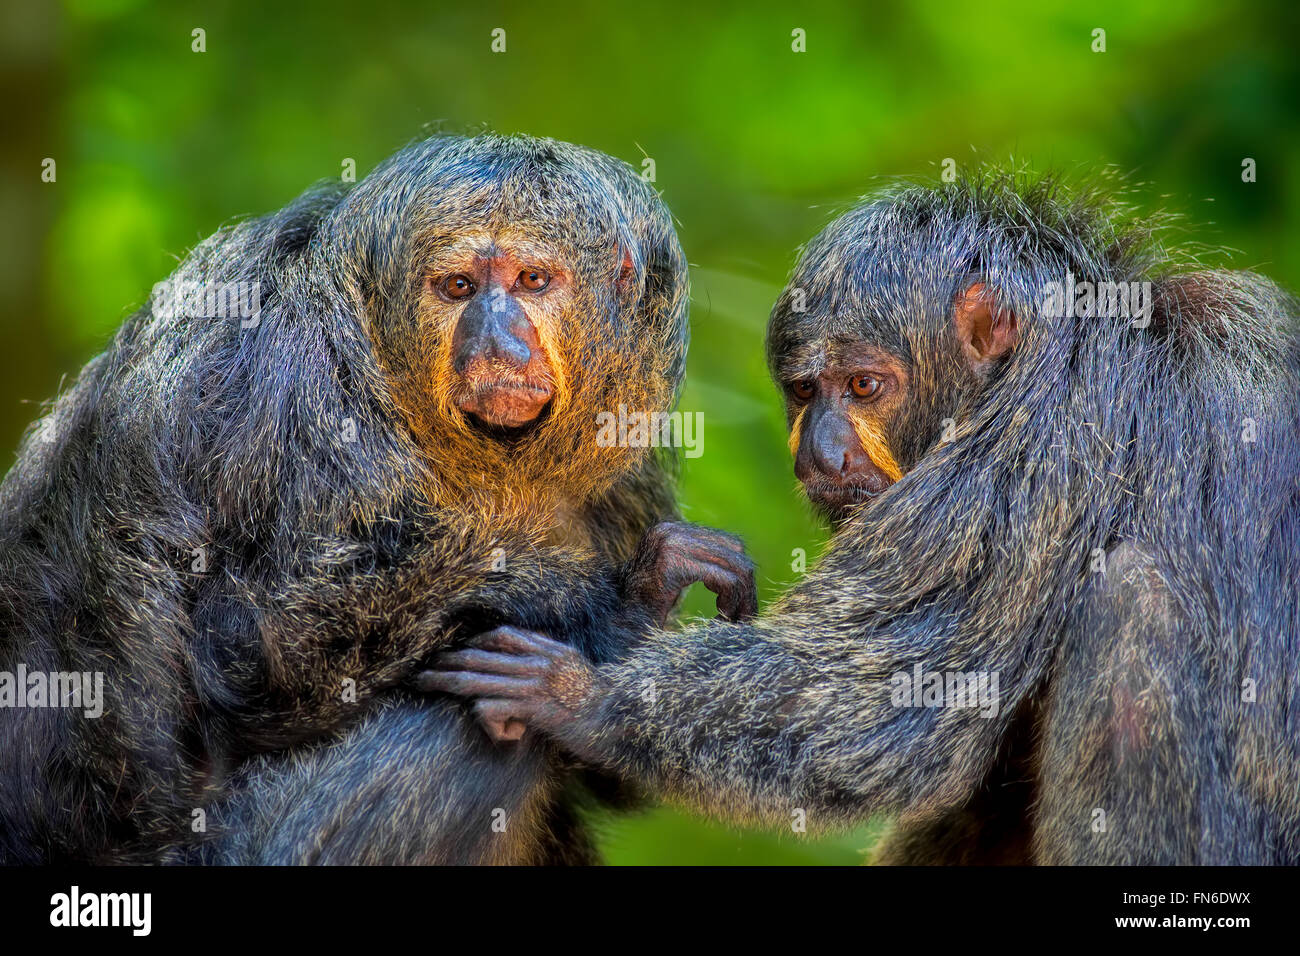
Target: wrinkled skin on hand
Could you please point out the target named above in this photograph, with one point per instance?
(520, 679)
(524, 679)
(673, 555)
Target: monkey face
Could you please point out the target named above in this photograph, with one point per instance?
(499, 305)
(840, 398)
(515, 289)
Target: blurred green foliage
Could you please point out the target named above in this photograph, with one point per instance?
(755, 147)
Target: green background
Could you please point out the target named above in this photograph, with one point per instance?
(755, 147)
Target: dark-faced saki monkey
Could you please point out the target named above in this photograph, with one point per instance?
(1058, 621)
(335, 438)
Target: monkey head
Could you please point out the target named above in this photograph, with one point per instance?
(887, 331)
(515, 288)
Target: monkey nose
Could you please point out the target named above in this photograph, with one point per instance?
(497, 350)
(832, 453)
(820, 462)
(493, 332)
(835, 462)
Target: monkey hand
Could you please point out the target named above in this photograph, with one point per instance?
(673, 555)
(522, 679)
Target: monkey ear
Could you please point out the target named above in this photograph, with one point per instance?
(985, 330)
(627, 268)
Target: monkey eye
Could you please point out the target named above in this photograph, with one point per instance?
(458, 286)
(534, 280)
(803, 390)
(864, 386)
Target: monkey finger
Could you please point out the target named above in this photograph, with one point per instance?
(670, 561)
(500, 730)
(491, 662)
(729, 587)
(665, 530)
(474, 684)
(727, 554)
(515, 640)
(720, 540)
(737, 596)
(665, 544)
(724, 580)
(741, 606)
(500, 718)
(686, 569)
(692, 539)
(735, 563)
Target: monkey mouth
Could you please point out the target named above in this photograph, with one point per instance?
(836, 499)
(504, 403)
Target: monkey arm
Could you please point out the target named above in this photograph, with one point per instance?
(805, 708)
(755, 722)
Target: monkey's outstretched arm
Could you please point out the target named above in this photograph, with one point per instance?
(817, 706)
